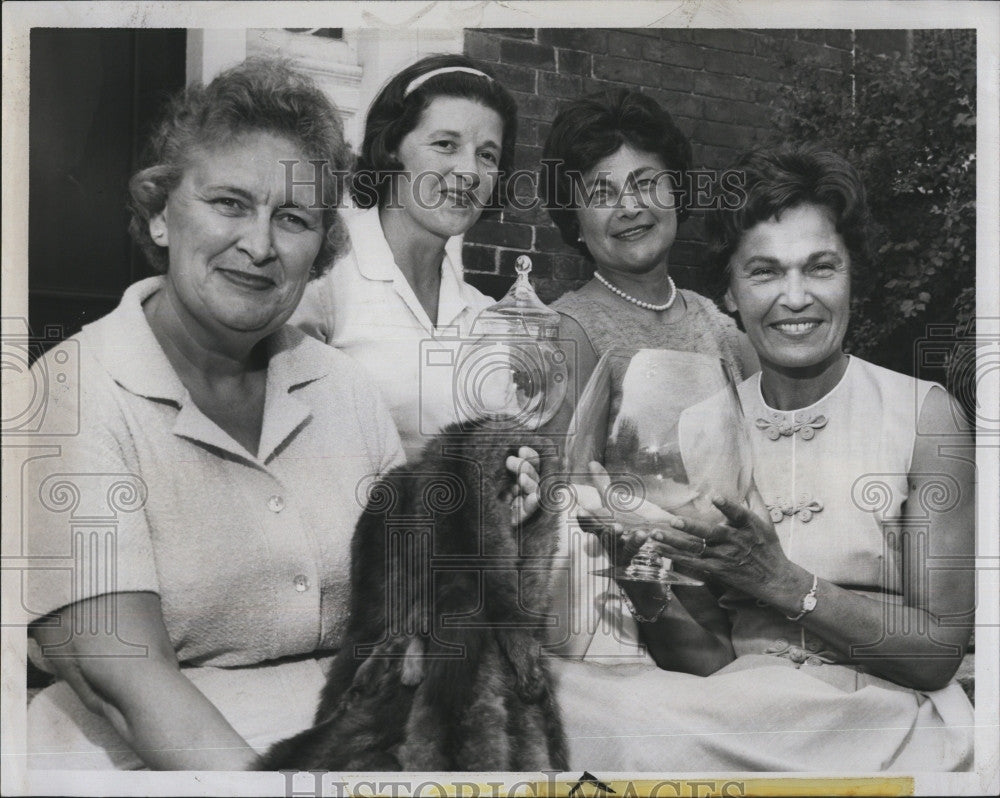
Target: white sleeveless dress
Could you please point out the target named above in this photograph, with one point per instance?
(829, 475)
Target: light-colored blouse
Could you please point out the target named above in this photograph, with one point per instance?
(248, 553)
(365, 307)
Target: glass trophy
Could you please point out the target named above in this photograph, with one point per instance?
(668, 428)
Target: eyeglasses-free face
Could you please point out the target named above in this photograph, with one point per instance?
(450, 165)
(790, 283)
(240, 250)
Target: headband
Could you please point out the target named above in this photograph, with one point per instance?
(417, 82)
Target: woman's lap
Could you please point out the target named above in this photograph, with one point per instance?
(766, 717)
(264, 703)
(628, 718)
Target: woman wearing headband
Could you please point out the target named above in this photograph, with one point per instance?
(438, 138)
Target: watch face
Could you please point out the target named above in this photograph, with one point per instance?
(809, 603)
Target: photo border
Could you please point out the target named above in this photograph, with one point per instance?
(20, 17)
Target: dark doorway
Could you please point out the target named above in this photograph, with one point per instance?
(94, 95)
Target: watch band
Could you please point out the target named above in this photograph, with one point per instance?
(808, 602)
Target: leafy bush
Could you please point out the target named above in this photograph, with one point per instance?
(909, 126)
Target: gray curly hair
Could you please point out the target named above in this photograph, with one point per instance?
(260, 95)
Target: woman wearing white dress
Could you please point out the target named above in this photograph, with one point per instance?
(836, 636)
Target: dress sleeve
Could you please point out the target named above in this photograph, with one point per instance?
(314, 314)
(85, 528)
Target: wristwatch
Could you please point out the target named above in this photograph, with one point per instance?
(808, 602)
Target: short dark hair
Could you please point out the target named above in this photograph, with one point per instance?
(259, 95)
(590, 129)
(394, 114)
(777, 179)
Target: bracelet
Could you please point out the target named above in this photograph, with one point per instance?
(808, 602)
(639, 616)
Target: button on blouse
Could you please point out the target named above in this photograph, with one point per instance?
(276, 504)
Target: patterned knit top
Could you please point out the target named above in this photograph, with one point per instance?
(612, 323)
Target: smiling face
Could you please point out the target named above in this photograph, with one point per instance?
(450, 162)
(629, 222)
(790, 282)
(238, 260)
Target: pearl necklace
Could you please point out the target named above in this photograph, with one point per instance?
(629, 298)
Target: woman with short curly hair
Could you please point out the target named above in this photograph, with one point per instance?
(226, 447)
(614, 181)
(783, 178)
(263, 95)
(832, 637)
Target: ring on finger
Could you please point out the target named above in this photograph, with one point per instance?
(704, 545)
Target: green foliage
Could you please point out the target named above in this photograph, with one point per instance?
(909, 126)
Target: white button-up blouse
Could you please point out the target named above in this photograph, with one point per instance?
(365, 307)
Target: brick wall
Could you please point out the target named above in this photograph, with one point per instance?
(721, 86)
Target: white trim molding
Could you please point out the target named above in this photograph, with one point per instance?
(350, 70)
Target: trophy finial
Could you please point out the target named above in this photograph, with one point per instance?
(522, 265)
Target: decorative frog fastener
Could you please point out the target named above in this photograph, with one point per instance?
(804, 509)
(777, 425)
(810, 653)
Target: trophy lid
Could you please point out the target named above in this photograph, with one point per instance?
(520, 312)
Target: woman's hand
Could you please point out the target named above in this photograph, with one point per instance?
(623, 517)
(744, 552)
(691, 632)
(524, 466)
